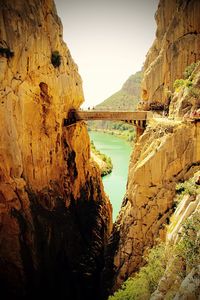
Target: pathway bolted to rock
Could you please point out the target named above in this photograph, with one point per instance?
(138, 118)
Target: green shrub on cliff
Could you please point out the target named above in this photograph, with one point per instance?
(188, 187)
(107, 169)
(188, 77)
(180, 83)
(179, 259)
(145, 282)
(188, 248)
(174, 260)
(55, 59)
(189, 70)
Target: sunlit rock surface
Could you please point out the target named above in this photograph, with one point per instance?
(182, 282)
(176, 46)
(54, 216)
(169, 149)
(164, 154)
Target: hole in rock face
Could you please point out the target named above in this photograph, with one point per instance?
(43, 87)
(144, 94)
(51, 156)
(6, 52)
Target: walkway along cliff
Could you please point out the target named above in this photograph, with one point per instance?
(54, 215)
(168, 151)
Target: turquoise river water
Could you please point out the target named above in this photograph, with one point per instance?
(119, 151)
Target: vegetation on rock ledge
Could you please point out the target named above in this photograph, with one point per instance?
(188, 77)
(56, 59)
(104, 162)
(178, 260)
(145, 282)
(168, 264)
(188, 187)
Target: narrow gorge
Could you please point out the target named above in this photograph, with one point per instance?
(57, 239)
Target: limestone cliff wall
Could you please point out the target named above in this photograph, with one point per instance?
(54, 216)
(168, 151)
(181, 279)
(177, 45)
(35, 96)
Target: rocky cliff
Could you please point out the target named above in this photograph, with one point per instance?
(54, 216)
(168, 151)
(165, 154)
(172, 268)
(181, 279)
(176, 46)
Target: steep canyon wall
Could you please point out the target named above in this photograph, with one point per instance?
(168, 151)
(176, 46)
(54, 215)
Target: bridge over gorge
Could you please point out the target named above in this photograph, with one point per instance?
(137, 118)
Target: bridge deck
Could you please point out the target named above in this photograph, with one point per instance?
(112, 115)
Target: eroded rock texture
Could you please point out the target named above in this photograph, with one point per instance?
(176, 46)
(169, 149)
(181, 279)
(164, 154)
(54, 216)
(186, 102)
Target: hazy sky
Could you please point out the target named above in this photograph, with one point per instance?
(108, 39)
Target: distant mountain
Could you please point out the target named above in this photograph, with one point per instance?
(127, 97)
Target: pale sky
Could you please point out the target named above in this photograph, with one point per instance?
(108, 40)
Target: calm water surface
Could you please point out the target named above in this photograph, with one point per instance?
(119, 151)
